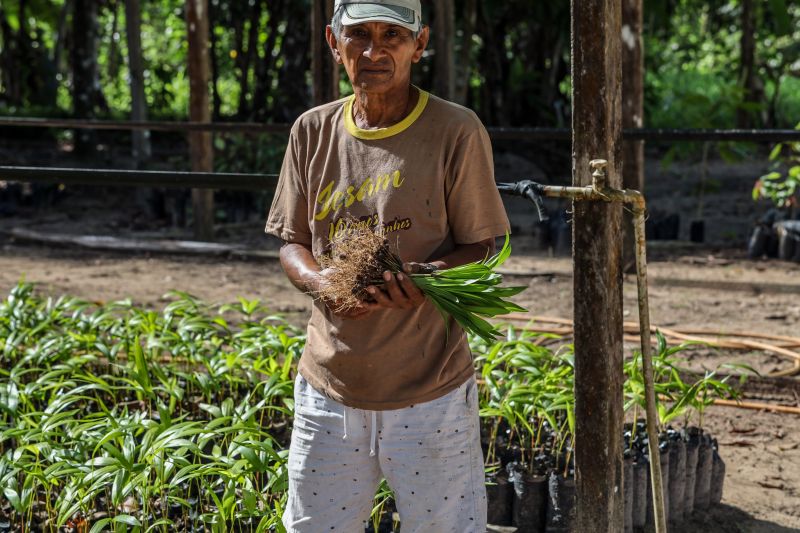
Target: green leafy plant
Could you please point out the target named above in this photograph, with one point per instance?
(782, 184)
(115, 417)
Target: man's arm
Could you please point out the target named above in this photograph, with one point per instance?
(305, 273)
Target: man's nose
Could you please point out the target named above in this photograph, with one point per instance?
(374, 50)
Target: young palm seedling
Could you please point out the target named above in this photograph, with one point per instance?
(467, 293)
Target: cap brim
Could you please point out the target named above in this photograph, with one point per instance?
(360, 13)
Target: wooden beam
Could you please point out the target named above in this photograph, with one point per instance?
(597, 133)
(200, 148)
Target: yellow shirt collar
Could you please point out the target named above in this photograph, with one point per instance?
(382, 133)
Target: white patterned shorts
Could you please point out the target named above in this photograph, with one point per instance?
(429, 453)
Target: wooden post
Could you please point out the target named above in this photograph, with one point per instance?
(325, 73)
(596, 133)
(632, 112)
(133, 23)
(83, 57)
(463, 69)
(200, 148)
(444, 35)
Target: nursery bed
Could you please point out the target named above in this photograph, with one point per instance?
(761, 449)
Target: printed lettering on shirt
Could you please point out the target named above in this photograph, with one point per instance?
(346, 224)
(330, 201)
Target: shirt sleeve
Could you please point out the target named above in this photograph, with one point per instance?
(474, 209)
(288, 216)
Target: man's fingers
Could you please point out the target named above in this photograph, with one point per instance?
(412, 292)
(380, 297)
(396, 294)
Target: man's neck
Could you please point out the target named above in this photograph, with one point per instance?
(381, 110)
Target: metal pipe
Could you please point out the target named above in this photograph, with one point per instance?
(647, 361)
(599, 191)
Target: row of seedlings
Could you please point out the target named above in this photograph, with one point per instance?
(527, 404)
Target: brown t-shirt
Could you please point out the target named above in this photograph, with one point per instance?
(428, 181)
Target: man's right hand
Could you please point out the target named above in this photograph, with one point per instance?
(362, 310)
(304, 272)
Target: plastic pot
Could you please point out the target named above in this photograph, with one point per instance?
(499, 498)
(628, 489)
(677, 480)
(641, 486)
(692, 445)
(560, 504)
(787, 244)
(717, 478)
(664, 485)
(702, 485)
(529, 509)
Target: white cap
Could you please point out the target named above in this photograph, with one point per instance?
(405, 13)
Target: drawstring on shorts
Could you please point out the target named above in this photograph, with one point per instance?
(373, 433)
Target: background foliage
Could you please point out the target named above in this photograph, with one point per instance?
(511, 59)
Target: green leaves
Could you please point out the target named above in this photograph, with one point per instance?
(188, 421)
(136, 406)
(782, 184)
(467, 293)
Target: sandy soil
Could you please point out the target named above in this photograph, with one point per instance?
(688, 288)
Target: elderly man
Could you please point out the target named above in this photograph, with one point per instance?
(384, 389)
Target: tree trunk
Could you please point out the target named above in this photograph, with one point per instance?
(444, 38)
(133, 25)
(114, 56)
(216, 100)
(200, 149)
(244, 58)
(58, 47)
(464, 66)
(596, 133)
(294, 97)
(85, 82)
(632, 112)
(9, 82)
(747, 75)
(493, 60)
(265, 66)
(324, 71)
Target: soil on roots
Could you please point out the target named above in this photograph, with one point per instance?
(357, 260)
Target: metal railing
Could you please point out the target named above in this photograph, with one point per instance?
(255, 181)
(530, 134)
(139, 178)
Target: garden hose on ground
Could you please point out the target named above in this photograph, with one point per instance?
(714, 338)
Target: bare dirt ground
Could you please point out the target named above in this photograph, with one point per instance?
(689, 288)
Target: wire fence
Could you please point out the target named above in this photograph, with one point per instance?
(245, 181)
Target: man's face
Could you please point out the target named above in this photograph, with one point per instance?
(378, 55)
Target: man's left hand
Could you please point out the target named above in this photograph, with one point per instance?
(398, 291)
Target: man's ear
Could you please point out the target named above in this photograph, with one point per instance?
(331, 38)
(422, 41)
